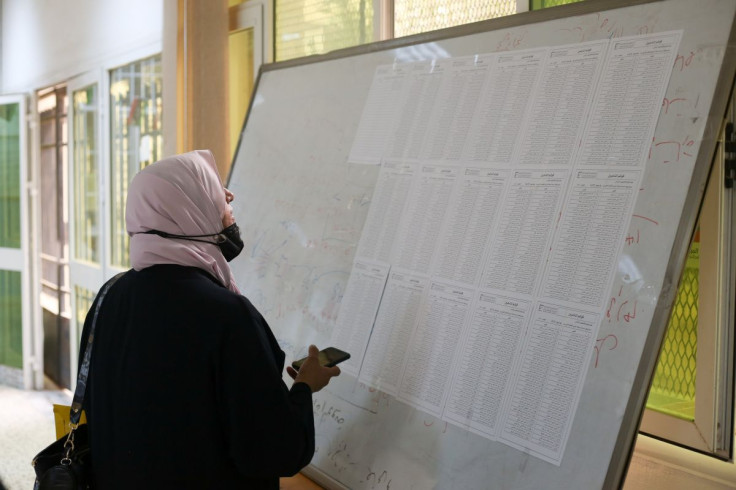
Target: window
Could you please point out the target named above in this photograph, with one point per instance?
(9, 176)
(11, 333)
(85, 175)
(541, 4)
(415, 16)
(83, 298)
(135, 139)
(306, 27)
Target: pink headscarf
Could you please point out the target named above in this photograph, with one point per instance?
(182, 195)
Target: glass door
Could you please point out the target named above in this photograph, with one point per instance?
(16, 337)
(86, 230)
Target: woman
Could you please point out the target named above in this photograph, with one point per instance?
(185, 387)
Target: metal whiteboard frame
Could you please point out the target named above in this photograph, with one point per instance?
(624, 446)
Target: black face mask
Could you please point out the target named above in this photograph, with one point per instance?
(228, 240)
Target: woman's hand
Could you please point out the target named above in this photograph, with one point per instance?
(312, 373)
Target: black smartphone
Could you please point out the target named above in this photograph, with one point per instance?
(327, 357)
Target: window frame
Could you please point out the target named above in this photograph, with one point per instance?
(83, 273)
(18, 260)
(111, 267)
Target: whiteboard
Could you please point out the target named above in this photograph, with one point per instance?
(301, 207)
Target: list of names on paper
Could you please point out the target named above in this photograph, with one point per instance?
(506, 188)
(526, 221)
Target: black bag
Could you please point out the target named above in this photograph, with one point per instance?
(64, 465)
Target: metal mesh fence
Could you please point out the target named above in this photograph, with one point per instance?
(415, 16)
(673, 386)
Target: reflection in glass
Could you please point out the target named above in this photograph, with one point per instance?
(136, 139)
(306, 27)
(83, 299)
(85, 175)
(10, 175)
(11, 324)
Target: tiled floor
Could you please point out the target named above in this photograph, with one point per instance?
(26, 427)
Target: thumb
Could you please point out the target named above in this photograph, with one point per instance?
(313, 351)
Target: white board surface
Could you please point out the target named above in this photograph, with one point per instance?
(302, 206)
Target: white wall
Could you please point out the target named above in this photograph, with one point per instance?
(44, 42)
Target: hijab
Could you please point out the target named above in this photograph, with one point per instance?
(181, 195)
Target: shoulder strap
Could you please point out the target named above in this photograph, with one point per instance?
(76, 411)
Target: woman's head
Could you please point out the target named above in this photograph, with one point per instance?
(180, 195)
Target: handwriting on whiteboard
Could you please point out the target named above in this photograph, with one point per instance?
(512, 40)
(378, 479)
(671, 151)
(682, 61)
(638, 227)
(621, 309)
(338, 456)
(673, 103)
(326, 412)
(377, 398)
(595, 26)
(607, 343)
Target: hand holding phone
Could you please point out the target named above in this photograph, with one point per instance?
(313, 369)
(331, 356)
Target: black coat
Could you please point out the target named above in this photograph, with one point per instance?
(185, 389)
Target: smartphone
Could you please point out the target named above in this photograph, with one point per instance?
(327, 357)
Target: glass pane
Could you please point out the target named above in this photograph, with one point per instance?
(10, 175)
(136, 139)
(51, 113)
(415, 16)
(86, 191)
(11, 327)
(673, 386)
(83, 301)
(305, 27)
(540, 4)
(241, 81)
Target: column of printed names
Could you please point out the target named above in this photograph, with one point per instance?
(422, 89)
(485, 362)
(503, 102)
(425, 211)
(470, 219)
(394, 325)
(548, 382)
(525, 226)
(628, 103)
(454, 109)
(358, 311)
(428, 363)
(557, 116)
(387, 205)
(596, 215)
(379, 114)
